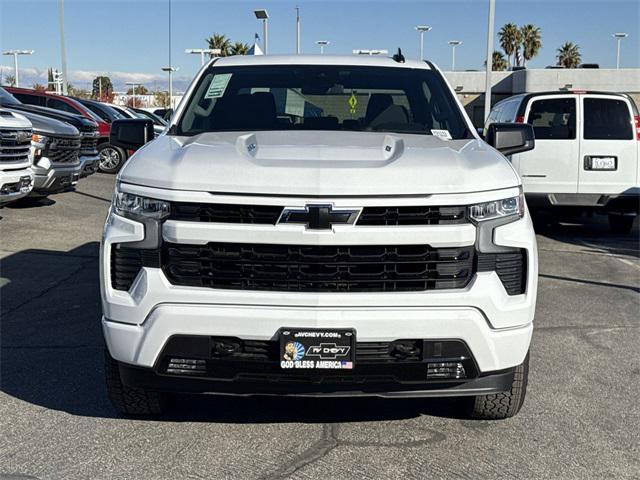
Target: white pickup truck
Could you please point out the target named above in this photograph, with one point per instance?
(16, 176)
(319, 226)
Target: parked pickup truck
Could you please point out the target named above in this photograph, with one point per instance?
(587, 157)
(16, 177)
(88, 153)
(319, 225)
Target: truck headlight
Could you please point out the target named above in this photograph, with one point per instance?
(39, 143)
(136, 206)
(505, 207)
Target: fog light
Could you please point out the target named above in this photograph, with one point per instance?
(187, 366)
(445, 370)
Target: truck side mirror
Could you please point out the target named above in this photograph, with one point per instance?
(510, 138)
(131, 134)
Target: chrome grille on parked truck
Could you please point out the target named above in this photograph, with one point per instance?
(14, 145)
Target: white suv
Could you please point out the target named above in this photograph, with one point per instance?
(319, 226)
(587, 152)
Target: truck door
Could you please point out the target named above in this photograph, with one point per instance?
(552, 167)
(608, 145)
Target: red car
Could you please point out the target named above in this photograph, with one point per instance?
(111, 157)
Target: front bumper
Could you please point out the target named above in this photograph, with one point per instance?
(15, 184)
(89, 165)
(55, 177)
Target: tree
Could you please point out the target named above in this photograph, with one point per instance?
(531, 41)
(102, 89)
(50, 81)
(510, 39)
(220, 41)
(140, 90)
(498, 62)
(38, 87)
(569, 55)
(10, 80)
(239, 48)
(161, 98)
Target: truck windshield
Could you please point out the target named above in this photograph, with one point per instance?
(320, 97)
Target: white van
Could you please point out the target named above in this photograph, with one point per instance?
(586, 155)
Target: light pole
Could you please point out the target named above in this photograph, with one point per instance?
(203, 52)
(297, 30)
(489, 67)
(619, 36)
(63, 50)
(454, 44)
(322, 44)
(422, 29)
(133, 90)
(15, 54)
(170, 70)
(264, 16)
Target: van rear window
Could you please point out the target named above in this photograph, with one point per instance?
(607, 119)
(553, 119)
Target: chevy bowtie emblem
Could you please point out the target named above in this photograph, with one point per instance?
(319, 217)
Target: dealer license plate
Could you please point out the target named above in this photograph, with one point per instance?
(317, 349)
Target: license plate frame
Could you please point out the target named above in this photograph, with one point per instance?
(317, 349)
(601, 163)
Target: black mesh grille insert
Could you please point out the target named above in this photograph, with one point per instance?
(225, 213)
(511, 267)
(424, 215)
(313, 268)
(269, 214)
(126, 262)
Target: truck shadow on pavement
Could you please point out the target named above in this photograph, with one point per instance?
(51, 354)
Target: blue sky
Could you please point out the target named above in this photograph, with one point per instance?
(128, 39)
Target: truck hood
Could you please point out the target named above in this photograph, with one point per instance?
(47, 125)
(319, 164)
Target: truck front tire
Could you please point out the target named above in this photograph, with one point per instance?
(111, 158)
(506, 404)
(131, 401)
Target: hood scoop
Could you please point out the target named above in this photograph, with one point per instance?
(303, 152)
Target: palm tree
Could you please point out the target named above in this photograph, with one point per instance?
(239, 48)
(510, 39)
(569, 55)
(498, 62)
(531, 41)
(220, 41)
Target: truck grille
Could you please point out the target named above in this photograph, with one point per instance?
(14, 145)
(269, 214)
(312, 268)
(63, 150)
(126, 262)
(89, 145)
(511, 267)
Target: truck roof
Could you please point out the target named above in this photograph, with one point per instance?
(356, 60)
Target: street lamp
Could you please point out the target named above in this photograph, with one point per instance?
(133, 89)
(15, 54)
(454, 44)
(422, 29)
(619, 36)
(203, 52)
(170, 70)
(264, 16)
(322, 44)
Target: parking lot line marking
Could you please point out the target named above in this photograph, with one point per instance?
(603, 251)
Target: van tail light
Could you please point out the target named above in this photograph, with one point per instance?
(519, 119)
(637, 119)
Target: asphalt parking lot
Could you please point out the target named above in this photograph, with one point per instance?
(581, 418)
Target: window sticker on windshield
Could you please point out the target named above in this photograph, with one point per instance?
(218, 85)
(441, 134)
